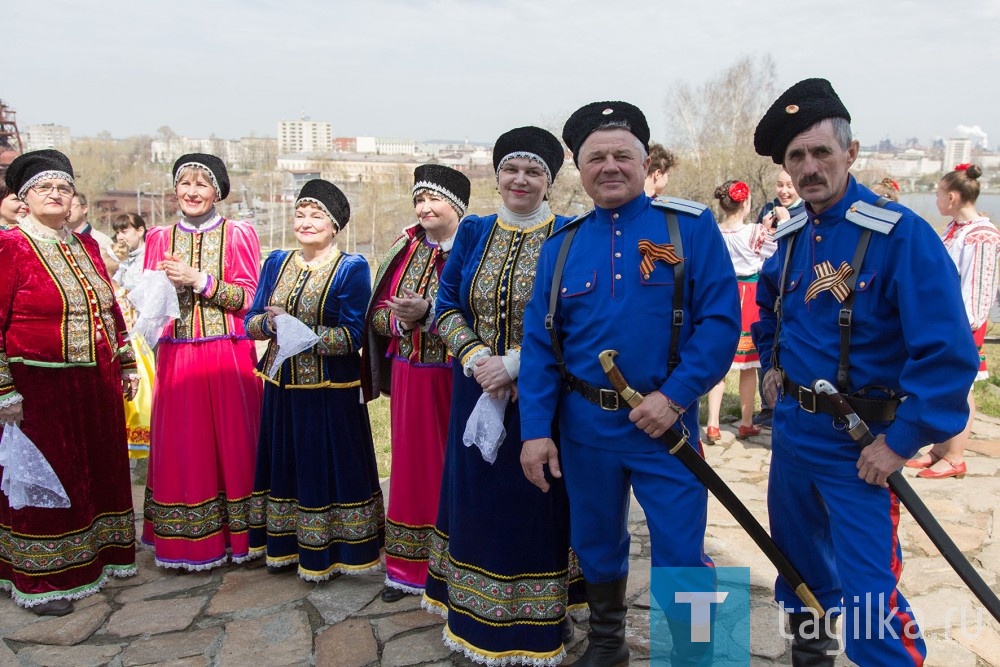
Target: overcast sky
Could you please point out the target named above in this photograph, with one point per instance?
(472, 69)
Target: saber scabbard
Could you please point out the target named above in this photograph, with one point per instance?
(677, 443)
(860, 433)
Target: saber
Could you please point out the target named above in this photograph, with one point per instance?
(677, 444)
(860, 433)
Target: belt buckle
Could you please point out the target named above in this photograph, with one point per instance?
(807, 400)
(608, 400)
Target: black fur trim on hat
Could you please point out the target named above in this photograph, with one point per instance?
(332, 199)
(533, 141)
(23, 170)
(597, 115)
(796, 110)
(216, 166)
(449, 183)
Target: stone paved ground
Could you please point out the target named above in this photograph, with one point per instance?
(241, 615)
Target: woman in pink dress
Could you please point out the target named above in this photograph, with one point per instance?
(206, 399)
(973, 242)
(409, 361)
(749, 246)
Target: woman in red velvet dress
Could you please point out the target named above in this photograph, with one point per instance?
(64, 365)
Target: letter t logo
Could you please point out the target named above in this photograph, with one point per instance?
(701, 611)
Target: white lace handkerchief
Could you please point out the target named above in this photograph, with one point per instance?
(155, 298)
(485, 426)
(28, 479)
(293, 336)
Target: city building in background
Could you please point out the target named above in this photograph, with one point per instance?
(304, 136)
(957, 151)
(46, 135)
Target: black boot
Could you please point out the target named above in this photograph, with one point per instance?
(814, 644)
(606, 647)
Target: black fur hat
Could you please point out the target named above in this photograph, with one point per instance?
(597, 115)
(215, 166)
(797, 109)
(533, 143)
(328, 197)
(449, 183)
(29, 168)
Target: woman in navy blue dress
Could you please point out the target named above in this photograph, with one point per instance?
(316, 499)
(500, 567)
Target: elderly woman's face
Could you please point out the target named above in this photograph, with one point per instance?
(523, 184)
(312, 226)
(50, 198)
(435, 214)
(11, 208)
(195, 192)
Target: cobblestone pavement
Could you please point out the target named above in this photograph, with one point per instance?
(241, 615)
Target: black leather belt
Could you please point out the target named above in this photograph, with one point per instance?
(608, 399)
(869, 409)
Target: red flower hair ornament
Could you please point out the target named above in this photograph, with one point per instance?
(739, 191)
(962, 167)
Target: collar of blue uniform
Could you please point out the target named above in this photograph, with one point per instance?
(626, 211)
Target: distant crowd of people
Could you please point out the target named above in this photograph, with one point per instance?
(513, 453)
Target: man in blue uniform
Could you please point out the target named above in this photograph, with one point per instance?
(869, 302)
(616, 290)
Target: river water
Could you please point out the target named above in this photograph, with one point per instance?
(923, 205)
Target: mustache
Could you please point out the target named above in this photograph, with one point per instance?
(812, 180)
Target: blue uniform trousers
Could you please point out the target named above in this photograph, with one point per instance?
(675, 503)
(840, 534)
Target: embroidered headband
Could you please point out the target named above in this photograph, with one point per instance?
(41, 176)
(530, 156)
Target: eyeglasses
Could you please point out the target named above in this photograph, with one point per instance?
(45, 189)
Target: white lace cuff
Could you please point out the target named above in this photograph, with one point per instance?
(12, 399)
(512, 362)
(470, 363)
(428, 319)
(397, 326)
